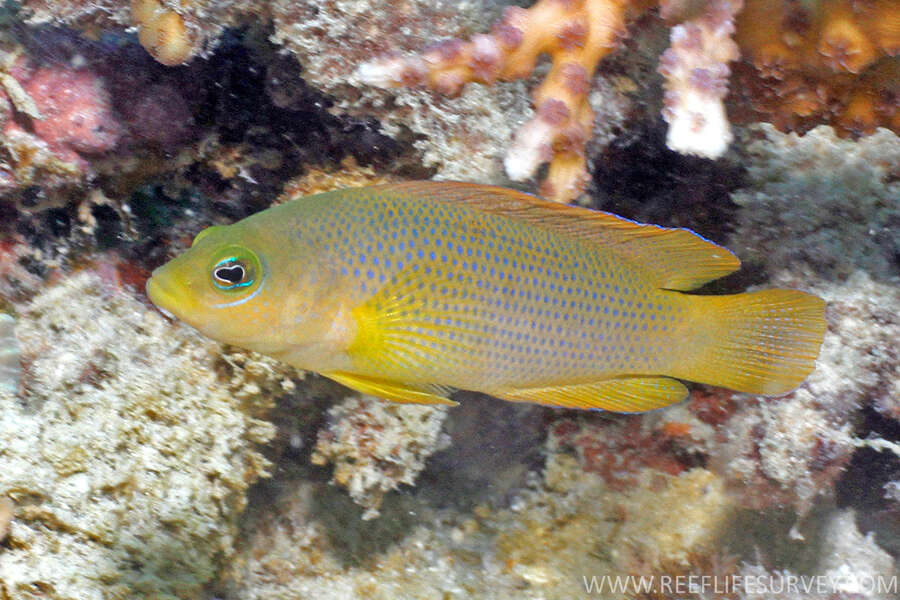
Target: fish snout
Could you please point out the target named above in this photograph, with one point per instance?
(161, 297)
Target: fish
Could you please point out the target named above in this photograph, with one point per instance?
(412, 291)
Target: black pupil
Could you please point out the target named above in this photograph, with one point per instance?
(233, 273)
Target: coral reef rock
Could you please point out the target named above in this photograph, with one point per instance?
(463, 137)
(563, 527)
(803, 64)
(66, 116)
(376, 445)
(76, 113)
(10, 351)
(848, 565)
(128, 456)
(829, 203)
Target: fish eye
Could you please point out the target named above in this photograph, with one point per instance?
(236, 270)
(229, 273)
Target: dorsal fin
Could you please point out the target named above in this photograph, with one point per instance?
(678, 259)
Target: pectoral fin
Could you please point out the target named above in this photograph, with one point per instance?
(626, 395)
(394, 390)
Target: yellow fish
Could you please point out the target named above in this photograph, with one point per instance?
(409, 291)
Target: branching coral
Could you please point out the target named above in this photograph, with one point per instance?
(696, 70)
(821, 60)
(459, 138)
(802, 63)
(576, 34)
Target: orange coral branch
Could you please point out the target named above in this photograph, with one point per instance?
(842, 43)
(576, 34)
(162, 32)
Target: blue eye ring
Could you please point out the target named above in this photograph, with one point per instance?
(235, 269)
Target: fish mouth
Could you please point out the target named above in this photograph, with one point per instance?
(162, 298)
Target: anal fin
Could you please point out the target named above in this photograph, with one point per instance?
(393, 390)
(625, 395)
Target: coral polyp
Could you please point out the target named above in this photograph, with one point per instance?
(830, 61)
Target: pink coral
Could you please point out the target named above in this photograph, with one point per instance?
(76, 112)
(55, 117)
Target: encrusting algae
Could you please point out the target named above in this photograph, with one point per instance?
(409, 291)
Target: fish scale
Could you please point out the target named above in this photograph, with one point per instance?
(409, 291)
(509, 298)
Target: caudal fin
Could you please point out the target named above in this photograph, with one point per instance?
(762, 342)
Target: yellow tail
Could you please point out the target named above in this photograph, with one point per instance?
(762, 342)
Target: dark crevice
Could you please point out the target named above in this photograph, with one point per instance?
(863, 484)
